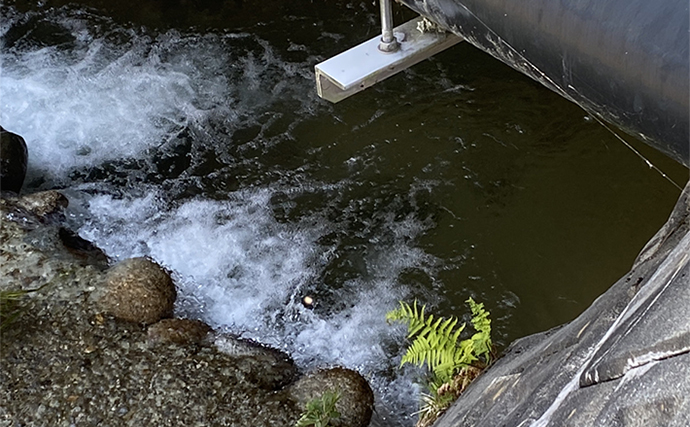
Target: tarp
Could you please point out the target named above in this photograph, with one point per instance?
(625, 60)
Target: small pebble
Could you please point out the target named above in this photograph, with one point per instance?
(308, 302)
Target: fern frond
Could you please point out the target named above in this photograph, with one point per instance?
(435, 339)
(435, 343)
(409, 315)
(482, 324)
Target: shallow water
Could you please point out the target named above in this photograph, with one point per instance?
(207, 149)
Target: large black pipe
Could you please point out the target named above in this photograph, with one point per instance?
(625, 60)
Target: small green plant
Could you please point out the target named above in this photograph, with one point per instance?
(454, 364)
(10, 306)
(320, 411)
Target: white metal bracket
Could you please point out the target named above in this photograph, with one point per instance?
(366, 64)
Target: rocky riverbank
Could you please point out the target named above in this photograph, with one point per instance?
(97, 345)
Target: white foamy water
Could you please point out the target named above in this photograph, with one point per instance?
(248, 273)
(93, 102)
(240, 270)
(84, 113)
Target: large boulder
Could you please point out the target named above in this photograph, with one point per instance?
(625, 361)
(13, 160)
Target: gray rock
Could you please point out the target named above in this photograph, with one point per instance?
(278, 368)
(623, 362)
(356, 398)
(138, 290)
(13, 160)
(47, 233)
(82, 249)
(44, 204)
(43, 212)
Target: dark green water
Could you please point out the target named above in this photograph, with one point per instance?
(193, 134)
(535, 206)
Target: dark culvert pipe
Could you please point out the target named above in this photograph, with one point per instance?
(624, 60)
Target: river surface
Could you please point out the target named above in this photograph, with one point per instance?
(194, 135)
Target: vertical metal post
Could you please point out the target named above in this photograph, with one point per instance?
(388, 41)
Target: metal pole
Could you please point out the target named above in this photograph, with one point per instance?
(388, 41)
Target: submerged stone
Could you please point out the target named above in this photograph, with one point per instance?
(82, 248)
(178, 331)
(44, 204)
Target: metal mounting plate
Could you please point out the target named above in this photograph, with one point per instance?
(365, 65)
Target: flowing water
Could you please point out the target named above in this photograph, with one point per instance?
(196, 138)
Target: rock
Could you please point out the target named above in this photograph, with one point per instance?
(63, 363)
(44, 204)
(82, 249)
(138, 290)
(178, 331)
(236, 346)
(356, 398)
(623, 362)
(41, 218)
(13, 160)
(278, 367)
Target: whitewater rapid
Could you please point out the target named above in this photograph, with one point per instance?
(125, 122)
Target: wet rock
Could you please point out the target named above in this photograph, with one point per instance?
(44, 204)
(47, 233)
(82, 249)
(278, 368)
(64, 363)
(236, 346)
(35, 210)
(138, 290)
(13, 160)
(178, 331)
(356, 398)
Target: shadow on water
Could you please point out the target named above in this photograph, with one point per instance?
(190, 131)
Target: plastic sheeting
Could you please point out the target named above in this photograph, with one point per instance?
(625, 60)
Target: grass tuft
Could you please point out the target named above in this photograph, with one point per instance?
(11, 305)
(320, 411)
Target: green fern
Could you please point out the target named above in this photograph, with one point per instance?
(481, 341)
(436, 339)
(435, 343)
